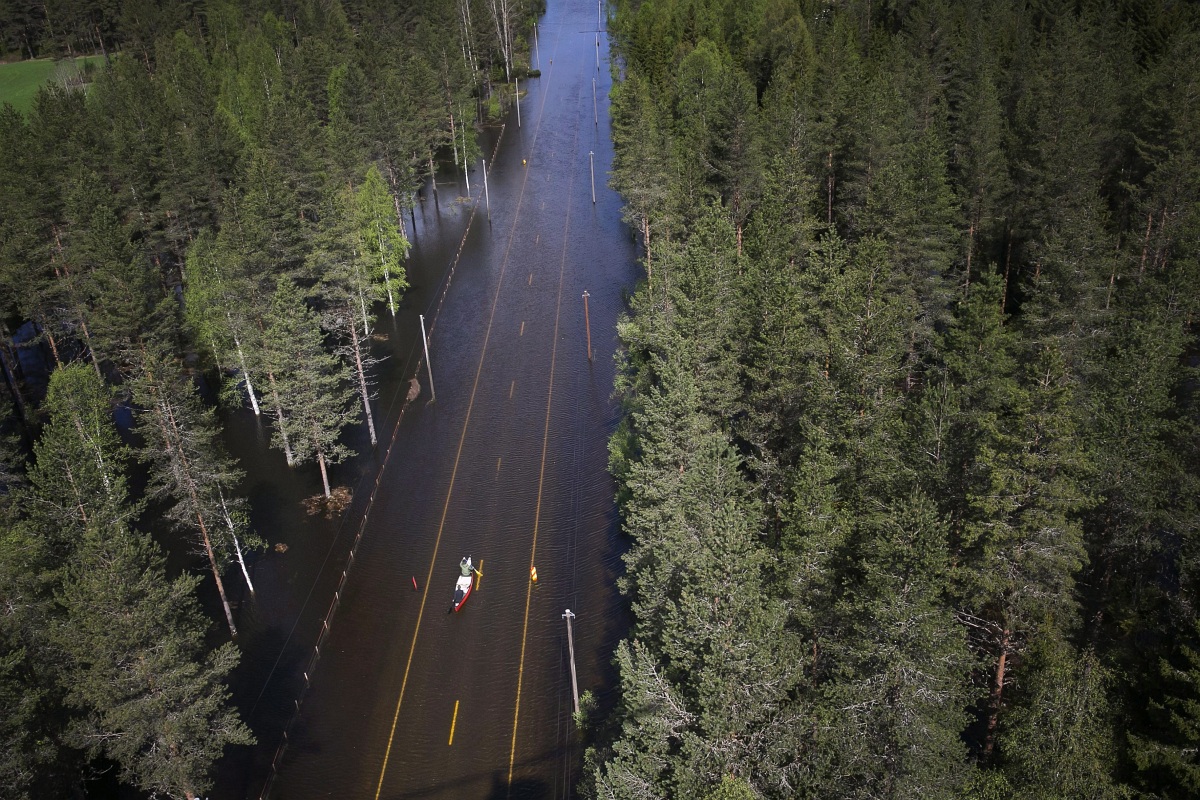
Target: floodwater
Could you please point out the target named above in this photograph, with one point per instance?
(356, 679)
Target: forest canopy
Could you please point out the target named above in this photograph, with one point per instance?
(909, 465)
(223, 206)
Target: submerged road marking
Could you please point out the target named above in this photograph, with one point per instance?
(522, 333)
(453, 722)
(530, 279)
(457, 457)
(537, 514)
(510, 389)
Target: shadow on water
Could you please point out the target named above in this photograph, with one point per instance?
(500, 788)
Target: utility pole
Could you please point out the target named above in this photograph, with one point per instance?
(536, 49)
(571, 645)
(597, 52)
(428, 365)
(486, 196)
(466, 168)
(587, 322)
(595, 113)
(517, 100)
(592, 167)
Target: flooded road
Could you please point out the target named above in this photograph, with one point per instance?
(398, 697)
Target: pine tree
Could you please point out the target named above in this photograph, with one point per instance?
(1058, 740)
(641, 159)
(346, 274)
(151, 700)
(1163, 745)
(188, 467)
(78, 476)
(895, 666)
(312, 384)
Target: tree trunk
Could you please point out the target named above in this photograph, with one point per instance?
(996, 698)
(64, 273)
(237, 546)
(1007, 267)
(362, 381)
(970, 252)
(287, 447)
(324, 472)
(646, 245)
(362, 307)
(1146, 242)
(387, 275)
(10, 375)
(174, 440)
(44, 328)
(433, 176)
(829, 188)
(246, 374)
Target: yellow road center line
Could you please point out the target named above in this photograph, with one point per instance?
(530, 279)
(537, 515)
(522, 328)
(510, 389)
(457, 457)
(498, 460)
(453, 722)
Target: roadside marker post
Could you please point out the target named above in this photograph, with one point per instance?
(571, 644)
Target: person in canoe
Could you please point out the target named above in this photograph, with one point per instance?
(462, 589)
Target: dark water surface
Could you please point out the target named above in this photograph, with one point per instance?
(406, 700)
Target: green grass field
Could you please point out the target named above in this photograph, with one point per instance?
(19, 81)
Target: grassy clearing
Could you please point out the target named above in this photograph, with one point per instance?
(19, 81)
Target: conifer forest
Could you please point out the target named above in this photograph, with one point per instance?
(907, 470)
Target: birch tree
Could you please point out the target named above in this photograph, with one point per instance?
(383, 243)
(504, 19)
(214, 297)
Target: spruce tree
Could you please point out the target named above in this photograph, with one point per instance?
(150, 698)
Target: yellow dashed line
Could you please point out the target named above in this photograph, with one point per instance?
(537, 515)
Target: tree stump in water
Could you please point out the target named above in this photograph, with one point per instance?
(336, 503)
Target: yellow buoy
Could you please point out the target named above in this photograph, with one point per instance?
(533, 574)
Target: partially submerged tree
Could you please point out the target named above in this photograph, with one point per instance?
(312, 383)
(189, 469)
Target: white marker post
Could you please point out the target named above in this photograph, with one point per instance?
(571, 645)
(486, 196)
(587, 323)
(466, 167)
(592, 167)
(428, 365)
